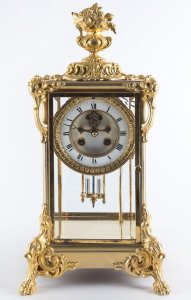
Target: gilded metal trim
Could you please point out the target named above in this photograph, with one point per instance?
(147, 124)
(58, 83)
(120, 195)
(67, 160)
(146, 261)
(41, 122)
(80, 242)
(94, 216)
(94, 71)
(41, 257)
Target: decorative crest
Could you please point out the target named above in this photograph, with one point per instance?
(93, 19)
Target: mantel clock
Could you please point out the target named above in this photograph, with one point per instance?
(94, 122)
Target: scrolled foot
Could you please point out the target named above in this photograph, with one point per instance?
(28, 287)
(161, 288)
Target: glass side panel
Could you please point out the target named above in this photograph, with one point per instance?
(111, 216)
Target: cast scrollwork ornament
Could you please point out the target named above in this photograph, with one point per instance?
(147, 261)
(41, 257)
(37, 90)
(149, 100)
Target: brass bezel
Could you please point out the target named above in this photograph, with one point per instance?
(67, 160)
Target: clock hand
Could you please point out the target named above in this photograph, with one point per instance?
(107, 129)
(94, 131)
(81, 129)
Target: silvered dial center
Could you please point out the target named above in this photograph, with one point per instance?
(94, 126)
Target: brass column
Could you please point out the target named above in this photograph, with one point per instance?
(59, 184)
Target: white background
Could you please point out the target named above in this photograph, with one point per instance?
(153, 37)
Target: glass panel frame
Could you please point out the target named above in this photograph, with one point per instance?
(137, 174)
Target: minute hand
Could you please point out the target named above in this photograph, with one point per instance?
(107, 129)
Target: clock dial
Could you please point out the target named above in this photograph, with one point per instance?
(94, 134)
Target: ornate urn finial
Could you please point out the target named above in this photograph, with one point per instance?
(93, 21)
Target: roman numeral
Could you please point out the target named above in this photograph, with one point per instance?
(109, 157)
(66, 133)
(80, 157)
(126, 101)
(119, 119)
(79, 109)
(123, 133)
(93, 105)
(94, 161)
(69, 147)
(119, 147)
(69, 120)
(108, 109)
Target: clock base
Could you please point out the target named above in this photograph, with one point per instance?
(137, 260)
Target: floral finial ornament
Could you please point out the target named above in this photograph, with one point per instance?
(93, 19)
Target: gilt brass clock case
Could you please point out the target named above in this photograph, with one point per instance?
(126, 243)
(65, 157)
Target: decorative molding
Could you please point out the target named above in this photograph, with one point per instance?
(50, 84)
(94, 70)
(146, 261)
(41, 257)
(140, 83)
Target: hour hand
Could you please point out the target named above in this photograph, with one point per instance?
(81, 130)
